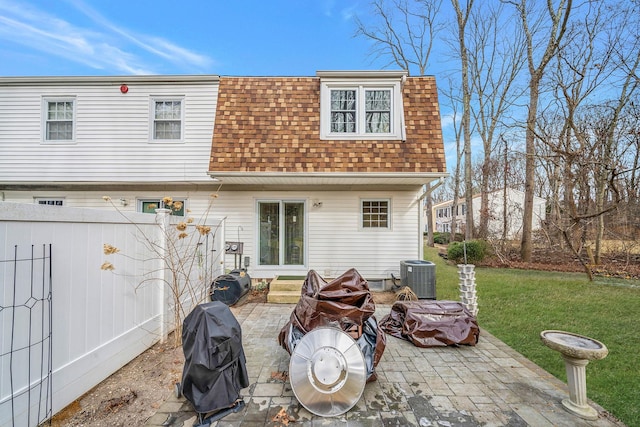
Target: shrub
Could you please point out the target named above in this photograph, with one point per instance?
(476, 250)
(442, 238)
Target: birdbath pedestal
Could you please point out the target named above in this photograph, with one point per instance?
(577, 351)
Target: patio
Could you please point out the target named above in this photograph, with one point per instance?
(486, 385)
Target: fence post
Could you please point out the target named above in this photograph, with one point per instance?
(162, 219)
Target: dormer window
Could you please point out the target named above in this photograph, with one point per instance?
(343, 111)
(356, 106)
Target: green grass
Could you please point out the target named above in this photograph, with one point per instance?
(516, 305)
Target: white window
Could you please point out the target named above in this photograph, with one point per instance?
(49, 201)
(59, 119)
(167, 119)
(360, 111)
(375, 213)
(177, 207)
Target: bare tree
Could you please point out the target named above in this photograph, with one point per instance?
(583, 139)
(462, 18)
(404, 33)
(495, 61)
(532, 24)
(457, 128)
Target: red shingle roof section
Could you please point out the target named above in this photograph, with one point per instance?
(272, 124)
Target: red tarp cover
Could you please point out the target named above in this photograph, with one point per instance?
(429, 323)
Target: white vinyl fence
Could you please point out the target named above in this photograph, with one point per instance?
(66, 324)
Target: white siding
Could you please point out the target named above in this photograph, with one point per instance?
(112, 134)
(335, 241)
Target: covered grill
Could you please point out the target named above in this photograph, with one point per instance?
(347, 336)
(229, 288)
(215, 365)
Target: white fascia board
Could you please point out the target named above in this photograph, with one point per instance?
(377, 74)
(107, 80)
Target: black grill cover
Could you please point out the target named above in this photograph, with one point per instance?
(215, 366)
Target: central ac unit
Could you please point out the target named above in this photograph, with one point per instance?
(420, 276)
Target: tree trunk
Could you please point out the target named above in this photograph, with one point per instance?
(526, 245)
(462, 17)
(429, 208)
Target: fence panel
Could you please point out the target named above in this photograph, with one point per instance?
(101, 318)
(25, 355)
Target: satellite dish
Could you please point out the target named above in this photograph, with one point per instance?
(327, 371)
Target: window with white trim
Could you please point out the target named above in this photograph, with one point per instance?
(59, 119)
(362, 111)
(177, 207)
(49, 201)
(168, 118)
(375, 213)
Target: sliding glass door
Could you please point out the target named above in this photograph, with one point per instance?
(281, 225)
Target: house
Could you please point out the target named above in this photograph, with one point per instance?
(443, 213)
(324, 172)
(68, 141)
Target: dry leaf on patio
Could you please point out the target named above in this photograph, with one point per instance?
(280, 376)
(283, 418)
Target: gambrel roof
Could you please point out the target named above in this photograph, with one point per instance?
(269, 127)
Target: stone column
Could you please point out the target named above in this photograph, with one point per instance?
(577, 383)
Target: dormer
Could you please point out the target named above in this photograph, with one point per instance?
(361, 105)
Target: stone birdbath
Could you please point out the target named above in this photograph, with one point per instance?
(577, 351)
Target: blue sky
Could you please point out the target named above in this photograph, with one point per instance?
(115, 37)
(236, 38)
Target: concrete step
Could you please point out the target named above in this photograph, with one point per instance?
(283, 297)
(285, 291)
(285, 285)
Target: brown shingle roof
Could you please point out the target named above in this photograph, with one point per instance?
(272, 124)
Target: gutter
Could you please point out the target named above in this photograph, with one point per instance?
(427, 175)
(430, 190)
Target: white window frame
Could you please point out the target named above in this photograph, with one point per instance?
(49, 201)
(153, 120)
(140, 204)
(362, 214)
(45, 119)
(395, 122)
(281, 266)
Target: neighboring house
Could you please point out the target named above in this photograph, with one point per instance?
(68, 141)
(323, 172)
(443, 213)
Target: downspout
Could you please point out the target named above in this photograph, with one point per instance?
(403, 130)
(421, 216)
(427, 192)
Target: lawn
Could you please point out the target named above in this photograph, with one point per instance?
(516, 305)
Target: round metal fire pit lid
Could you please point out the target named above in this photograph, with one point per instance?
(327, 371)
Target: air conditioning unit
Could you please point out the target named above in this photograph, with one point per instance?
(420, 276)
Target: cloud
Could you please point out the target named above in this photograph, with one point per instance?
(152, 44)
(104, 46)
(447, 121)
(327, 7)
(349, 12)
